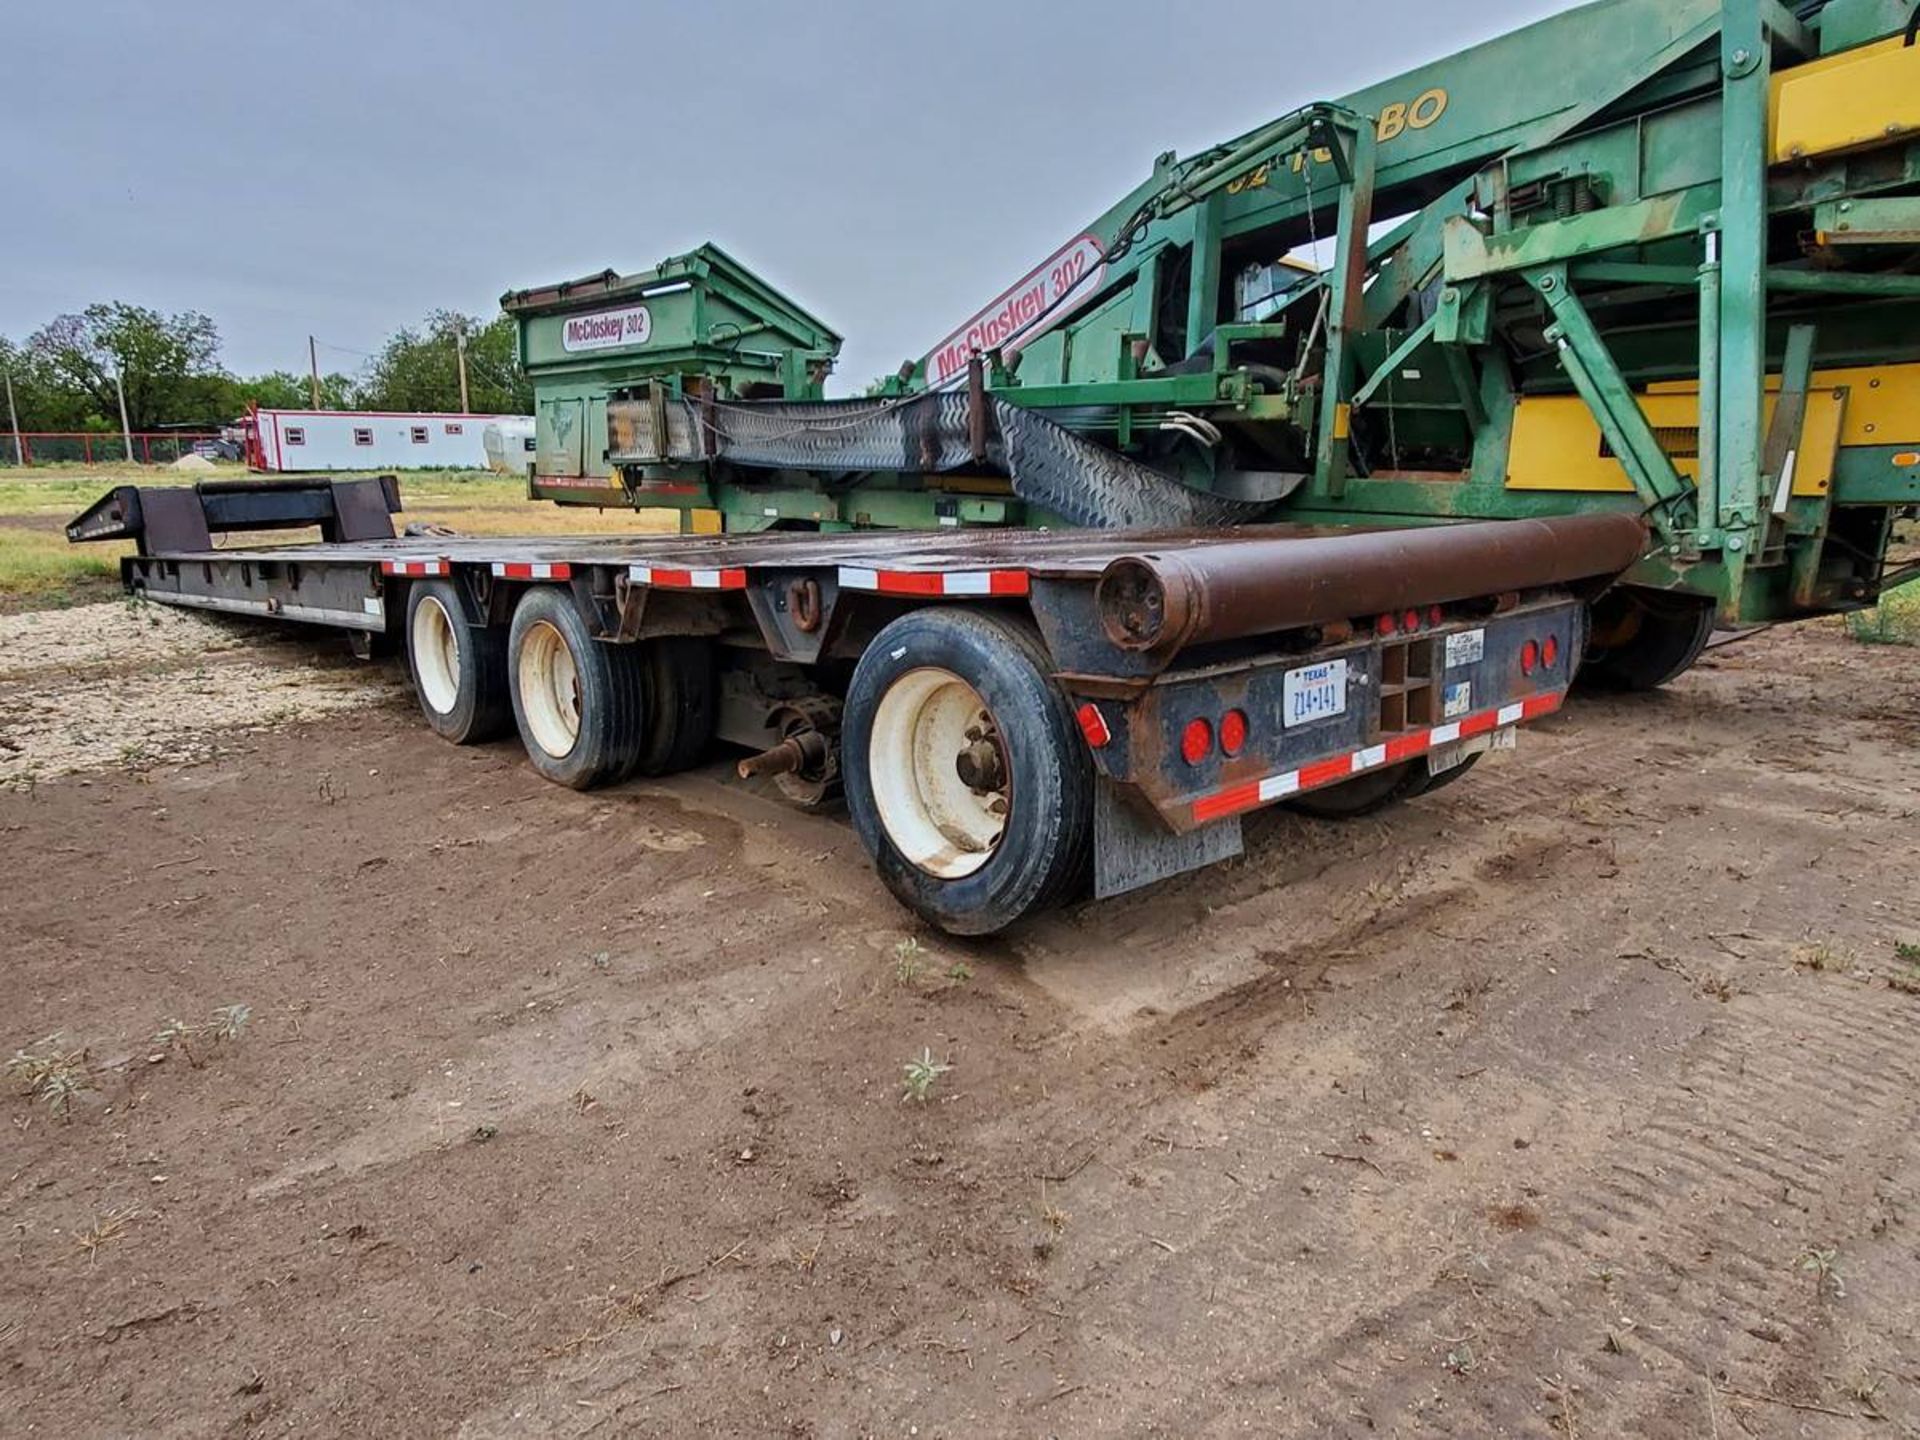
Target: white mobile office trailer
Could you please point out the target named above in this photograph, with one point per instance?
(287, 441)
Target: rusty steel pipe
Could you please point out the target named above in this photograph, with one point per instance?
(1161, 602)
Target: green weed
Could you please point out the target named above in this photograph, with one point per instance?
(922, 1074)
(224, 1026)
(52, 1074)
(1824, 1266)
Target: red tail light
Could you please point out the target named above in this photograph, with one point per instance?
(1550, 652)
(1529, 657)
(1436, 616)
(1196, 741)
(1410, 621)
(1233, 732)
(1386, 625)
(1093, 725)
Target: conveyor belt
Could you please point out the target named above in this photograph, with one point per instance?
(1075, 478)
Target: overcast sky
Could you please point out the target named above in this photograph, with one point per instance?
(342, 168)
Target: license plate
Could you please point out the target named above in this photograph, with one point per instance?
(1314, 692)
(1466, 649)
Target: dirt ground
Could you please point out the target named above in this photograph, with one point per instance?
(1576, 1100)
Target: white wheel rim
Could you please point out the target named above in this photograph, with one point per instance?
(436, 655)
(924, 725)
(549, 689)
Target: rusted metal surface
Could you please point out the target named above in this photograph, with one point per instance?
(977, 418)
(794, 755)
(1069, 554)
(1162, 600)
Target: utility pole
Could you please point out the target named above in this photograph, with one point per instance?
(120, 384)
(13, 414)
(460, 350)
(313, 368)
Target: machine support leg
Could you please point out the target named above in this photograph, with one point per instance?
(1746, 68)
(1346, 285)
(1598, 379)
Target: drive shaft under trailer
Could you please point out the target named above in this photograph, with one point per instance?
(1014, 715)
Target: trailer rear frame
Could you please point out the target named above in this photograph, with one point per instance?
(1207, 673)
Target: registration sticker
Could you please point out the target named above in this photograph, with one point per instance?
(1456, 699)
(1466, 649)
(1314, 692)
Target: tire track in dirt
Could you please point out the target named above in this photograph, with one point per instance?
(1742, 1205)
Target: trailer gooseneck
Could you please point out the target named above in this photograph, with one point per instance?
(1013, 716)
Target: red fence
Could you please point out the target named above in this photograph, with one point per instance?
(86, 447)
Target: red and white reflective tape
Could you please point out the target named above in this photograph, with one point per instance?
(687, 579)
(1251, 795)
(413, 567)
(934, 582)
(534, 570)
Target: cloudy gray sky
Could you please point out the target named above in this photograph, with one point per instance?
(341, 168)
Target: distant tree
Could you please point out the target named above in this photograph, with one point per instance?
(43, 401)
(418, 369)
(284, 390)
(168, 364)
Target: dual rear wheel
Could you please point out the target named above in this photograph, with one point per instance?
(589, 713)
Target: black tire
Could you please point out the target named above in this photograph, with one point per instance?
(1043, 854)
(463, 692)
(608, 691)
(683, 700)
(1639, 640)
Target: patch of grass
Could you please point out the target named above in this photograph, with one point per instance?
(1820, 958)
(1907, 951)
(909, 959)
(52, 1074)
(922, 1074)
(63, 492)
(41, 565)
(1054, 1218)
(1863, 1387)
(108, 1228)
(1894, 621)
(37, 564)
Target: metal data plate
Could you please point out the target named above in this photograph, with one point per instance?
(1467, 648)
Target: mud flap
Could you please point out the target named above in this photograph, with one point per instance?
(1130, 850)
(1443, 758)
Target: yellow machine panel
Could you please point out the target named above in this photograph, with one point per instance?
(1868, 96)
(1557, 444)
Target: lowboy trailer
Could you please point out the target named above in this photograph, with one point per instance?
(1013, 716)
